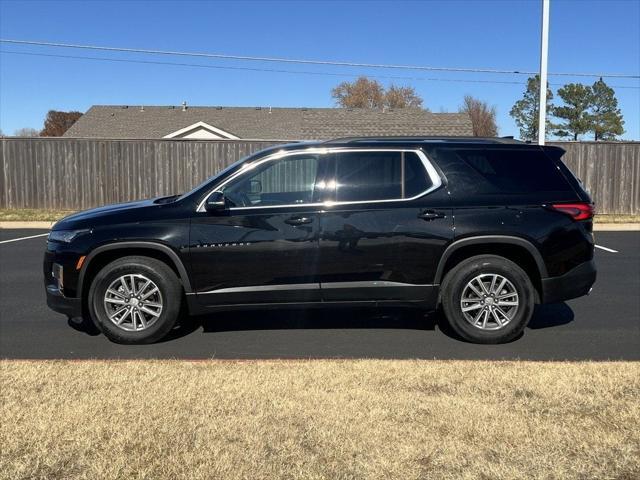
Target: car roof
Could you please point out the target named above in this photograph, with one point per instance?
(414, 142)
(393, 140)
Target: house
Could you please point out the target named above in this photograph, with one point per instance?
(262, 123)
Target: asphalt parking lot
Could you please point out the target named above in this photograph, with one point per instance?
(602, 326)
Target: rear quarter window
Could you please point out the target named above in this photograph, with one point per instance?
(516, 171)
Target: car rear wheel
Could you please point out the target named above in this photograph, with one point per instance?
(487, 299)
(135, 300)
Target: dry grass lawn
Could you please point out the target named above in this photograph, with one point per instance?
(617, 218)
(321, 419)
(31, 215)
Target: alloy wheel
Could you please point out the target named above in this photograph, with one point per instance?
(489, 301)
(133, 302)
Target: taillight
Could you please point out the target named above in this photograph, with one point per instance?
(577, 211)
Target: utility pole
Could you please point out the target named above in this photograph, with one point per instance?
(544, 54)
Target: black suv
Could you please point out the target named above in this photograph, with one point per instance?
(484, 228)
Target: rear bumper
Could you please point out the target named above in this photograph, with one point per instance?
(56, 301)
(575, 283)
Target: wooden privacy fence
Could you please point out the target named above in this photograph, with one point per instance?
(610, 171)
(74, 174)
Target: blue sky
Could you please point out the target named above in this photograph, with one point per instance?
(585, 36)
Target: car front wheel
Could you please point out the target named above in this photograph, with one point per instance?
(135, 300)
(488, 299)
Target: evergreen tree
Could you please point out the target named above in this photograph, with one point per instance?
(525, 110)
(606, 117)
(577, 99)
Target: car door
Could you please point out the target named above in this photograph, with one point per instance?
(385, 233)
(263, 247)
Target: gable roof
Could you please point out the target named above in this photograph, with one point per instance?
(113, 121)
(201, 127)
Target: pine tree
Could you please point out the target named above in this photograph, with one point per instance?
(525, 110)
(577, 99)
(605, 116)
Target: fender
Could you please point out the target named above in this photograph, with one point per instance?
(184, 277)
(483, 239)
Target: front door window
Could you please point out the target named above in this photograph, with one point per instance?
(287, 181)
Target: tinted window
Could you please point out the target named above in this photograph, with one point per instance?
(364, 176)
(416, 179)
(516, 171)
(288, 181)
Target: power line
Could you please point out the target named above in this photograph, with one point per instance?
(268, 70)
(308, 62)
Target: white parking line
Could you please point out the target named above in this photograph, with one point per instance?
(606, 249)
(24, 238)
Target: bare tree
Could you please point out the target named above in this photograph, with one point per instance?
(401, 97)
(26, 132)
(57, 123)
(483, 117)
(365, 93)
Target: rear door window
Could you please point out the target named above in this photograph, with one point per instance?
(383, 175)
(516, 171)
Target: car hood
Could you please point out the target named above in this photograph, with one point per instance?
(109, 214)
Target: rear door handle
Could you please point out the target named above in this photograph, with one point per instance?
(430, 215)
(298, 220)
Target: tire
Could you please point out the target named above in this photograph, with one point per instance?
(160, 308)
(482, 269)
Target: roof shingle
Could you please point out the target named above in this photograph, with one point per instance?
(112, 121)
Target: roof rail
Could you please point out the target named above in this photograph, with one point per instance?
(392, 139)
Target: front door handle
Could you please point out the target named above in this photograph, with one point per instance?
(430, 215)
(298, 220)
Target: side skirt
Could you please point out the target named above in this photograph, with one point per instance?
(195, 308)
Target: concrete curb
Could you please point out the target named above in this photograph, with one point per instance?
(597, 227)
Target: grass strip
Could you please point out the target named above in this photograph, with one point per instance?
(33, 215)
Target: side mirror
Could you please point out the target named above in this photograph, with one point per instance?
(255, 187)
(215, 202)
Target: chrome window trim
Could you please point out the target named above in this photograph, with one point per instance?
(426, 162)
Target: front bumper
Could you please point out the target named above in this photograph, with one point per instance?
(575, 283)
(58, 269)
(56, 301)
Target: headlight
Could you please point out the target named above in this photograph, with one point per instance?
(65, 236)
